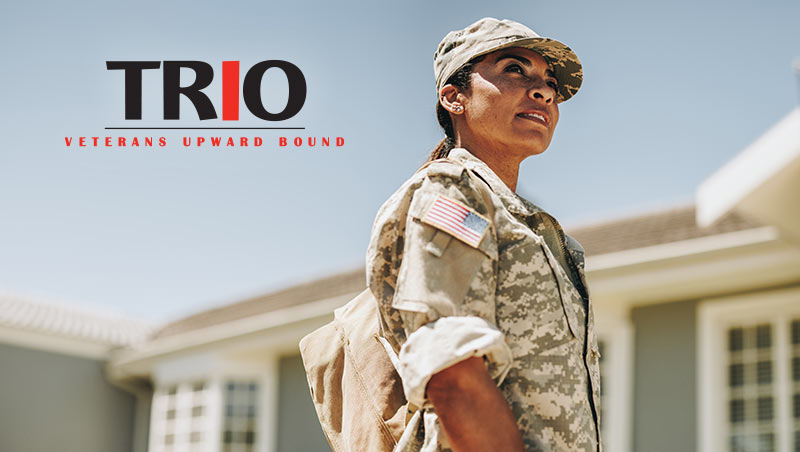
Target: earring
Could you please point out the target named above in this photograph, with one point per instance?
(458, 108)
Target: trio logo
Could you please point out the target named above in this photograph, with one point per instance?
(204, 75)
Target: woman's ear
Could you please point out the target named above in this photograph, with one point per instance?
(450, 100)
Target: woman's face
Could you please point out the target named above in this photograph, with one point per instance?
(511, 104)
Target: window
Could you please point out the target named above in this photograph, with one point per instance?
(179, 417)
(751, 392)
(241, 407)
(749, 369)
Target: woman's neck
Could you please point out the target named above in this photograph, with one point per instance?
(504, 164)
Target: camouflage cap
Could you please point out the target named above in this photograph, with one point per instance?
(488, 35)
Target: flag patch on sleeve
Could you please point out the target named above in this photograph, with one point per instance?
(457, 219)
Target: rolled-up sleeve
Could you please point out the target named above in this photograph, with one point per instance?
(443, 281)
(447, 341)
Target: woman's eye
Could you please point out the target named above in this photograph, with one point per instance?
(515, 68)
(553, 84)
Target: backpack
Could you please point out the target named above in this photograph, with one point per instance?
(356, 390)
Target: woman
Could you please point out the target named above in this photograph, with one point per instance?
(480, 292)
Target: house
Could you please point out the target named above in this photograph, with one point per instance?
(697, 310)
(54, 391)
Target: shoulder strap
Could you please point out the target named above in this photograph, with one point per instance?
(482, 185)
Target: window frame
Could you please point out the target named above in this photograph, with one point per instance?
(715, 316)
(259, 408)
(184, 420)
(215, 371)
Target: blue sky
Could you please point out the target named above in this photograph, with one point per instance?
(672, 91)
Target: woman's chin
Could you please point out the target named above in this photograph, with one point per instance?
(534, 147)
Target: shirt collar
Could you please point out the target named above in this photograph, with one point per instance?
(513, 202)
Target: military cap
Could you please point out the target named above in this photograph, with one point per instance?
(488, 35)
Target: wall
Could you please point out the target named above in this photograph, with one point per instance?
(298, 425)
(664, 412)
(52, 402)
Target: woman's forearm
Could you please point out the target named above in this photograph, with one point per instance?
(472, 410)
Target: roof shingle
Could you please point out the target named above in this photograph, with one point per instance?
(666, 226)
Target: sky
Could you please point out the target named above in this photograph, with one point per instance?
(672, 91)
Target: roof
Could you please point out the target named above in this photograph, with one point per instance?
(353, 281)
(24, 313)
(665, 226)
(762, 181)
(638, 231)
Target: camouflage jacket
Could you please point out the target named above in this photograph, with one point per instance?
(505, 283)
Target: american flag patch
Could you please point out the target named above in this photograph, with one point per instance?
(457, 219)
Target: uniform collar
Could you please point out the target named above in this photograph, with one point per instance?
(513, 202)
(554, 236)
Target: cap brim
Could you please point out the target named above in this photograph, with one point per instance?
(566, 65)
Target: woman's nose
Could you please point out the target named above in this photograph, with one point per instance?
(542, 92)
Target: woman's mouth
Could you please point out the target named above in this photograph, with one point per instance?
(535, 116)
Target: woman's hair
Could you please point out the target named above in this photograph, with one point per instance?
(461, 80)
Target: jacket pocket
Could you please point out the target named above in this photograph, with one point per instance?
(532, 307)
(438, 268)
(567, 296)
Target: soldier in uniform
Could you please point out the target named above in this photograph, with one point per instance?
(480, 292)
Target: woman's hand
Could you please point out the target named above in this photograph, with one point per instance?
(472, 410)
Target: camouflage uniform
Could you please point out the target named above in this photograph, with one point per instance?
(518, 298)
